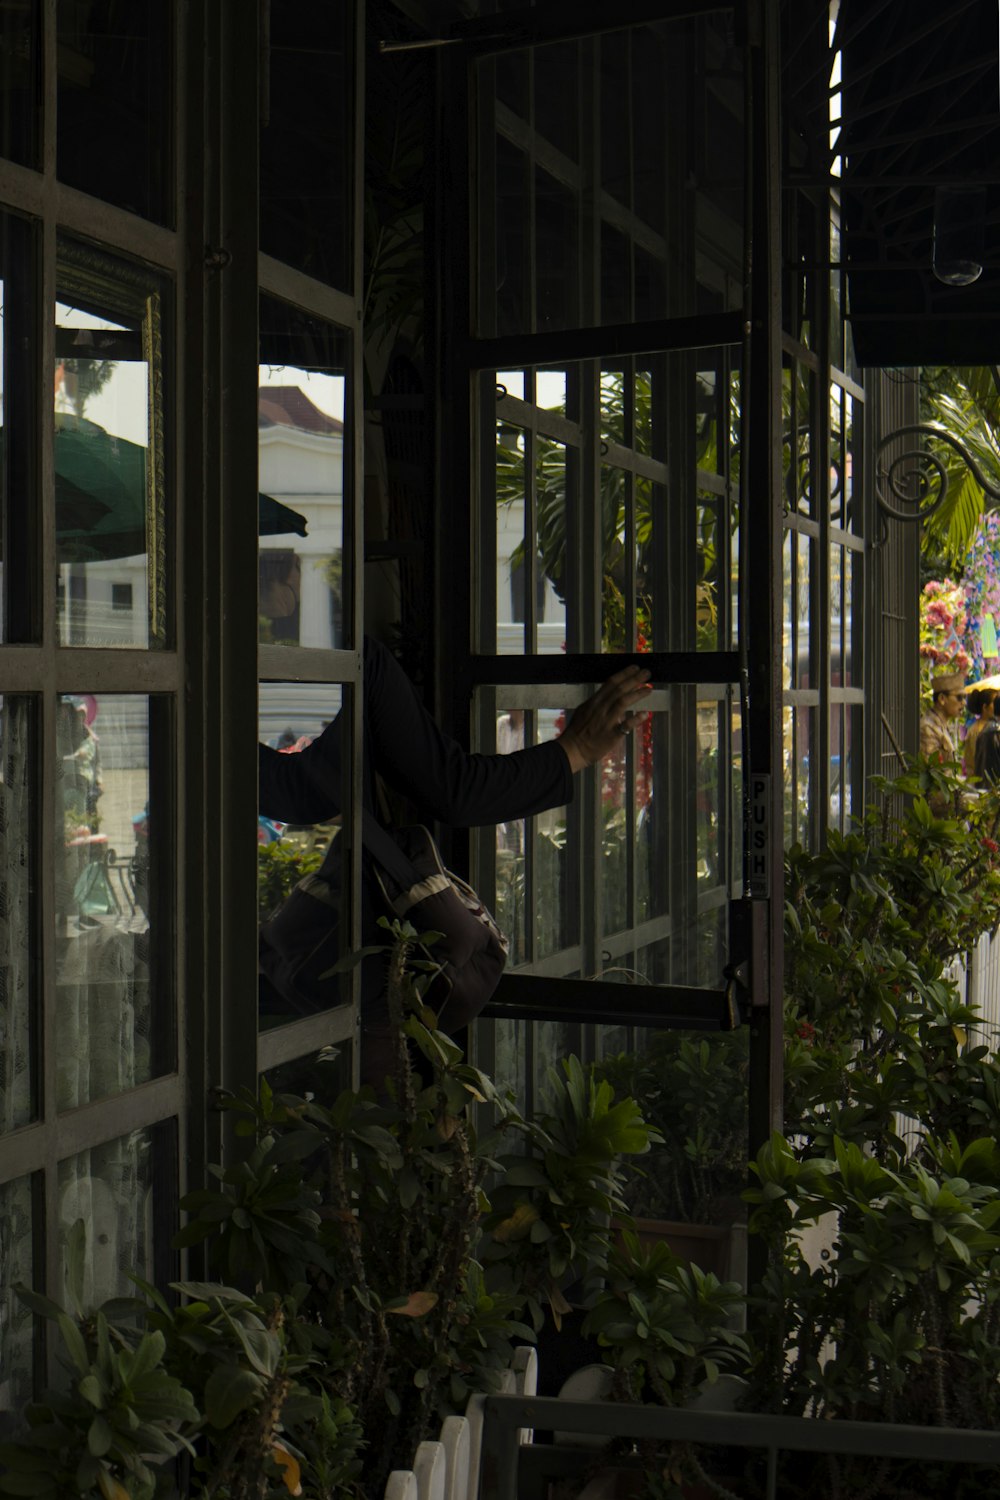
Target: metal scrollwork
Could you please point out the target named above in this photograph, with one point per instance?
(914, 484)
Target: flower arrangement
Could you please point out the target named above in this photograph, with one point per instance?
(943, 631)
(981, 580)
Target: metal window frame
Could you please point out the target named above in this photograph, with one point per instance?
(464, 357)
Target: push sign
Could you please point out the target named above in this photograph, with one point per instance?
(758, 852)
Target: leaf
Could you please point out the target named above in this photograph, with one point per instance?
(229, 1391)
(73, 1339)
(291, 1474)
(517, 1225)
(76, 1260)
(110, 1487)
(417, 1305)
(99, 1436)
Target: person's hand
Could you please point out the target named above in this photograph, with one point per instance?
(597, 726)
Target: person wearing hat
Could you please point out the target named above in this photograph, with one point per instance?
(937, 734)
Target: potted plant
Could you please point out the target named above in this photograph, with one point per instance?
(692, 1092)
(377, 1261)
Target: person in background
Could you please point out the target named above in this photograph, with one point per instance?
(979, 701)
(938, 724)
(987, 761)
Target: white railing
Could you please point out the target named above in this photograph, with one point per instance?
(981, 980)
(448, 1469)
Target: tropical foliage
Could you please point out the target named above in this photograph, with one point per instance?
(880, 1203)
(377, 1261)
(962, 401)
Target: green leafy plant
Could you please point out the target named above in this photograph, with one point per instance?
(692, 1092)
(879, 1205)
(394, 1226)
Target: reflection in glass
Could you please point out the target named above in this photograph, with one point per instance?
(803, 637)
(848, 613)
(533, 903)
(788, 623)
(112, 1188)
(711, 553)
(557, 263)
(837, 752)
(612, 406)
(709, 794)
(16, 1331)
(512, 498)
(20, 83)
(550, 1042)
(113, 859)
(556, 95)
(550, 389)
(301, 438)
(307, 110)
(650, 752)
(18, 754)
(290, 716)
(804, 737)
(19, 511)
(693, 1089)
(114, 115)
(512, 383)
(837, 477)
(109, 452)
(507, 307)
(851, 520)
(546, 197)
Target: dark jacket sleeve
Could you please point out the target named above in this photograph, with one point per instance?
(405, 746)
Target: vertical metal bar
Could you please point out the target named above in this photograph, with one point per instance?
(354, 537)
(229, 566)
(761, 628)
(48, 822)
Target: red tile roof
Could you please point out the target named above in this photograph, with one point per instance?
(289, 406)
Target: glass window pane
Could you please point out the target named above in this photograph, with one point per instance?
(16, 1330)
(110, 451)
(20, 581)
(114, 111)
(852, 413)
(852, 562)
(788, 624)
(838, 475)
(534, 865)
(693, 1089)
(511, 516)
(557, 261)
(803, 635)
(710, 795)
(837, 751)
(119, 1190)
(307, 110)
(557, 84)
(553, 854)
(301, 442)
(20, 82)
(114, 1002)
(291, 716)
(18, 971)
(547, 198)
(710, 542)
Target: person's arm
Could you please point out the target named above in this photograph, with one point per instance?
(301, 787)
(414, 755)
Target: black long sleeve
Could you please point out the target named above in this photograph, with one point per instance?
(405, 746)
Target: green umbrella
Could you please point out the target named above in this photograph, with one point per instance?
(101, 495)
